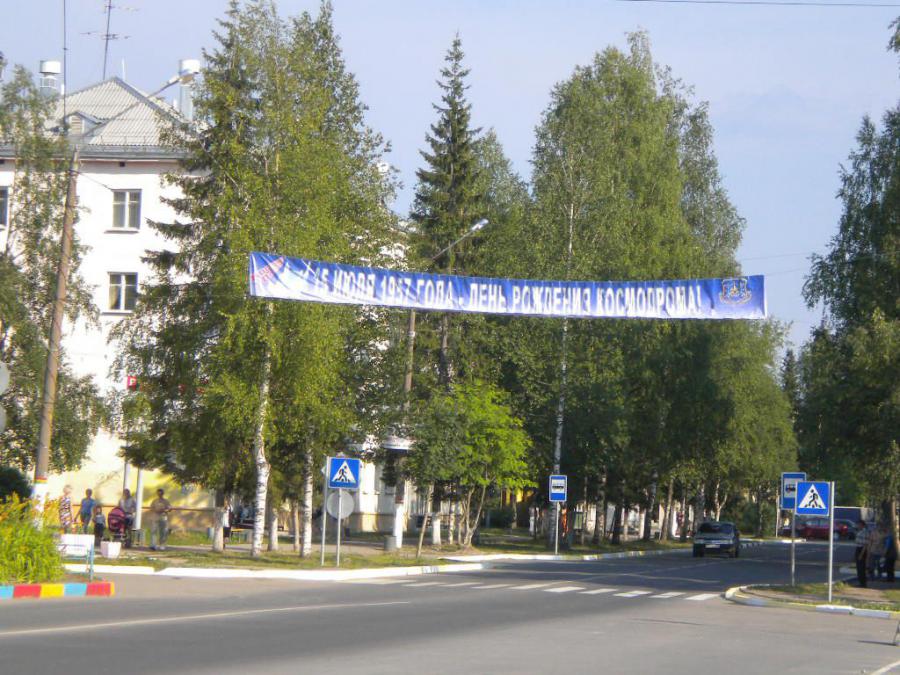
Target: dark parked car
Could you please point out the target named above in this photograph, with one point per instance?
(817, 528)
(717, 537)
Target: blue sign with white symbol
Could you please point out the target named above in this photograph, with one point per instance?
(813, 498)
(343, 473)
(789, 482)
(558, 486)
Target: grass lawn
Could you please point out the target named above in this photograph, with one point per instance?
(843, 594)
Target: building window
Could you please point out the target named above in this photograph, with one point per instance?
(122, 291)
(126, 209)
(4, 206)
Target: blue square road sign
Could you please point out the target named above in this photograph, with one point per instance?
(343, 473)
(558, 485)
(789, 482)
(813, 498)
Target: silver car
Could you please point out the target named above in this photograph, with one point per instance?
(717, 537)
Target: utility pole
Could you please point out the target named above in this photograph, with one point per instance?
(48, 402)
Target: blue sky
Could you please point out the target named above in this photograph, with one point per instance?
(787, 86)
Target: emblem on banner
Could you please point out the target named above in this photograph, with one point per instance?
(269, 271)
(735, 291)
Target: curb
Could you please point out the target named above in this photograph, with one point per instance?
(295, 575)
(549, 557)
(737, 594)
(104, 589)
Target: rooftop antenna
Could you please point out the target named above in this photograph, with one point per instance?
(106, 36)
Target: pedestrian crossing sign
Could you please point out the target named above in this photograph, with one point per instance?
(343, 473)
(813, 498)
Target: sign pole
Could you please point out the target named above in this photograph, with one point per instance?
(325, 501)
(830, 539)
(556, 531)
(340, 514)
(793, 558)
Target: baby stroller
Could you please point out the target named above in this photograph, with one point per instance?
(118, 525)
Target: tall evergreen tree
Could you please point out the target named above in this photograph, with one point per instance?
(283, 162)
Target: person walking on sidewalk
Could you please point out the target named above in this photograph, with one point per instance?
(159, 532)
(129, 507)
(86, 512)
(862, 544)
(65, 510)
(99, 525)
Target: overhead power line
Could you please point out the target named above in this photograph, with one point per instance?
(772, 3)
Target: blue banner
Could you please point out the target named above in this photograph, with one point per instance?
(284, 278)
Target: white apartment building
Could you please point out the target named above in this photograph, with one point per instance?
(120, 190)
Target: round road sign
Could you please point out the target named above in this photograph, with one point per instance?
(347, 503)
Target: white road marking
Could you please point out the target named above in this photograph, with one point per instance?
(77, 628)
(703, 596)
(671, 594)
(463, 583)
(563, 589)
(597, 591)
(481, 588)
(528, 587)
(632, 594)
(379, 582)
(425, 583)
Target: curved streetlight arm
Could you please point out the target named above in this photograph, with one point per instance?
(472, 230)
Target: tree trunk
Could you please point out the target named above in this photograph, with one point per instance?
(666, 525)
(600, 515)
(648, 516)
(472, 524)
(272, 517)
(428, 495)
(682, 536)
(895, 525)
(699, 508)
(218, 542)
(451, 525)
(259, 455)
(583, 538)
(436, 524)
(295, 525)
(617, 525)
(306, 502)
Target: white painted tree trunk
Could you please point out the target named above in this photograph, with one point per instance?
(259, 457)
(273, 525)
(295, 525)
(218, 541)
(306, 509)
(436, 524)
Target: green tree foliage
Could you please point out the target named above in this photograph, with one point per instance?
(282, 162)
(13, 482)
(469, 437)
(850, 410)
(28, 284)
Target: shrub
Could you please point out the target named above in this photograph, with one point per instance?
(13, 481)
(503, 518)
(28, 553)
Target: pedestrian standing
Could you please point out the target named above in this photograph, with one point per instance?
(128, 504)
(875, 551)
(99, 525)
(65, 510)
(86, 511)
(862, 544)
(159, 532)
(890, 556)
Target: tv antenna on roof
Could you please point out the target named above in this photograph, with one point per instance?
(106, 36)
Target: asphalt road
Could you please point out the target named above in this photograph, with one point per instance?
(641, 615)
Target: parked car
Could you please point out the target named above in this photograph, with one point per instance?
(717, 537)
(786, 529)
(817, 528)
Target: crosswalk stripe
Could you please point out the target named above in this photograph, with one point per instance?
(563, 589)
(426, 583)
(528, 587)
(672, 594)
(703, 596)
(632, 594)
(463, 583)
(491, 586)
(597, 591)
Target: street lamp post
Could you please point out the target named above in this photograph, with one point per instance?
(400, 499)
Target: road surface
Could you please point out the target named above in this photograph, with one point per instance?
(639, 615)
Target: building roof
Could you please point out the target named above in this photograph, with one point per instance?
(116, 119)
